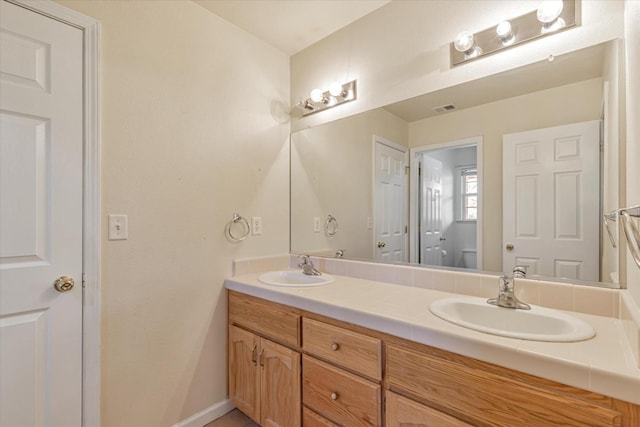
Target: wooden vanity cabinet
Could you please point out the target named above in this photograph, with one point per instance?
(288, 366)
(264, 376)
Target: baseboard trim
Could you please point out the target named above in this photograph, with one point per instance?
(207, 415)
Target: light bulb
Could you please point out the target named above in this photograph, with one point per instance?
(549, 11)
(317, 95)
(554, 26)
(505, 32)
(503, 29)
(335, 89)
(464, 41)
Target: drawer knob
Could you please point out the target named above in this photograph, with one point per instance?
(335, 346)
(334, 396)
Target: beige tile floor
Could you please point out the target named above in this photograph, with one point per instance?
(234, 418)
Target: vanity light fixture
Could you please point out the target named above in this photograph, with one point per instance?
(551, 17)
(320, 100)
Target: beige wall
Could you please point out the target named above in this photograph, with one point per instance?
(632, 43)
(566, 104)
(401, 50)
(191, 132)
(331, 170)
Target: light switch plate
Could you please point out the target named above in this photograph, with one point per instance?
(256, 225)
(316, 224)
(118, 227)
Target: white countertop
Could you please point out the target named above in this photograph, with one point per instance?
(603, 364)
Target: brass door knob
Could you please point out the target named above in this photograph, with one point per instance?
(64, 283)
(381, 244)
(509, 247)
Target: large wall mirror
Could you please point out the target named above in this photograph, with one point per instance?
(516, 168)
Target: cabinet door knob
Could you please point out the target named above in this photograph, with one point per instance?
(509, 247)
(334, 396)
(335, 346)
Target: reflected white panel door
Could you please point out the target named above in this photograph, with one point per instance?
(391, 199)
(551, 201)
(41, 146)
(431, 211)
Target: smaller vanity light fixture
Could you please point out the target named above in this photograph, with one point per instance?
(552, 16)
(320, 100)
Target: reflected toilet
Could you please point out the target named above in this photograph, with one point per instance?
(469, 258)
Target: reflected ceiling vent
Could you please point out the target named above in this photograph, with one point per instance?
(445, 108)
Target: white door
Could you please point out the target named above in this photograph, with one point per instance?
(551, 201)
(431, 237)
(41, 149)
(391, 198)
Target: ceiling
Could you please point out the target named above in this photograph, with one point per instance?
(291, 25)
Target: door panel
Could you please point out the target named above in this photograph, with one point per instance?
(244, 373)
(41, 148)
(281, 400)
(551, 202)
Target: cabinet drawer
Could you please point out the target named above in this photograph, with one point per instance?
(352, 350)
(311, 419)
(488, 397)
(344, 398)
(401, 411)
(272, 320)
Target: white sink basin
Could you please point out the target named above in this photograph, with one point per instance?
(537, 324)
(294, 278)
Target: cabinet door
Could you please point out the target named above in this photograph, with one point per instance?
(401, 411)
(244, 373)
(280, 385)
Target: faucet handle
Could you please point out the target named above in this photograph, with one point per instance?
(305, 259)
(505, 283)
(520, 271)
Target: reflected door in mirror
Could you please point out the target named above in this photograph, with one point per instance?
(551, 201)
(431, 238)
(391, 200)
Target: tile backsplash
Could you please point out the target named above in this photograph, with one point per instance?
(562, 296)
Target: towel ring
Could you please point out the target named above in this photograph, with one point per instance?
(242, 233)
(631, 231)
(330, 226)
(611, 216)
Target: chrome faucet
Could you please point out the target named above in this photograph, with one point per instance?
(307, 266)
(506, 293)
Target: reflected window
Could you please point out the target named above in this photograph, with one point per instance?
(468, 194)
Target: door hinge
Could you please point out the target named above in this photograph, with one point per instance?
(406, 229)
(84, 280)
(406, 170)
(420, 171)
